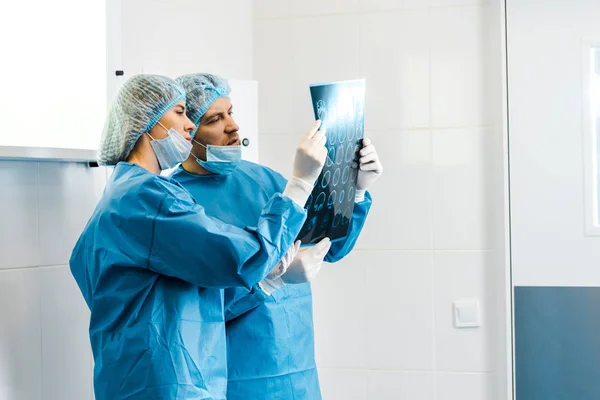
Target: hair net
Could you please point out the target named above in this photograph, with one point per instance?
(201, 92)
(140, 103)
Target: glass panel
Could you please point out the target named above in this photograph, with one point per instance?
(595, 105)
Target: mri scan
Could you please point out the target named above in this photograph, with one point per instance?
(340, 107)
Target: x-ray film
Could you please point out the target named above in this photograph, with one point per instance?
(340, 107)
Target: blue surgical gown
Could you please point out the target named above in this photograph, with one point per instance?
(270, 340)
(152, 266)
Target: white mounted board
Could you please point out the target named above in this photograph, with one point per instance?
(54, 100)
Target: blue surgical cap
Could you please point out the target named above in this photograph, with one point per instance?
(202, 90)
(140, 103)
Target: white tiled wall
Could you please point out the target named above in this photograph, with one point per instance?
(395, 385)
(383, 315)
(44, 345)
(67, 363)
(172, 37)
(20, 340)
(400, 82)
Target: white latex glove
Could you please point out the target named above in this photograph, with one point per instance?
(307, 264)
(273, 281)
(370, 169)
(310, 155)
(285, 262)
(308, 163)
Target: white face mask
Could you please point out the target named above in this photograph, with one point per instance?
(171, 150)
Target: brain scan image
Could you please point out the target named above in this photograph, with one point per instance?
(349, 153)
(326, 179)
(331, 200)
(357, 148)
(321, 110)
(339, 157)
(342, 135)
(340, 132)
(337, 219)
(336, 177)
(325, 221)
(320, 202)
(310, 224)
(347, 215)
(354, 174)
(346, 174)
(331, 134)
(309, 202)
(351, 133)
(330, 156)
(345, 221)
(340, 105)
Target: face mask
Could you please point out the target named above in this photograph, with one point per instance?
(220, 160)
(171, 150)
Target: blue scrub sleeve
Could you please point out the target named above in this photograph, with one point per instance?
(342, 248)
(239, 301)
(187, 244)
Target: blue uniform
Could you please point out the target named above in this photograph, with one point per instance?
(270, 340)
(151, 266)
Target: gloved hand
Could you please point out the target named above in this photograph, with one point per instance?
(310, 155)
(273, 281)
(307, 264)
(308, 163)
(370, 169)
(285, 262)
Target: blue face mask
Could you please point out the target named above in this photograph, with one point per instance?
(220, 160)
(171, 150)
